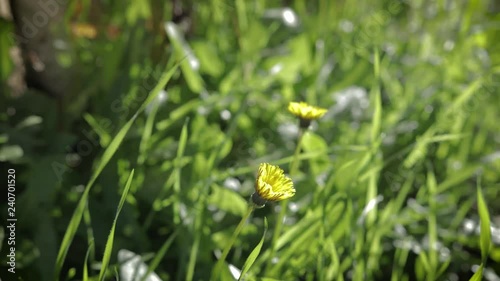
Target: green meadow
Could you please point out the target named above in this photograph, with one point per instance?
(146, 163)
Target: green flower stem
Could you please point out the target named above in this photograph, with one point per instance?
(294, 166)
(279, 223)
(225, 252)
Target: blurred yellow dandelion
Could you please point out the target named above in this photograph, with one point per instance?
(272, 185)
(305, 111)
(85, 30)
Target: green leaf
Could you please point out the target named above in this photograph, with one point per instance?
(484, 217)
(109, 244)
(485, 236)
(137, 10)
(210, 59)
(314, 143)
(254, 254)
(11, 152)
(189, 63)
(227, 200)
(478, 276)
(30, 121)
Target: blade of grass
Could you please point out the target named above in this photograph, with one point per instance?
(159, 255)
(219, 266)
(478, 276)
(177, 170)
(484, 217)
(146, 134)
(398, 266)
(159, 86)
(85, 273)
(193, 253)
(432, 224)
(78, 213)
(371, 194)
(90, 232)
(377, 112)
(320, 260)
(182, 49)
(109, 244)
(181, 112)
(105, 138)
(465, 173)
(332, 272)
(254, 254)
(106, 157)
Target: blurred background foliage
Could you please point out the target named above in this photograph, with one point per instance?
(387, 183)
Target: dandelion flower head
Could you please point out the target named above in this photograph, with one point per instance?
(272, 184)
(305, 111)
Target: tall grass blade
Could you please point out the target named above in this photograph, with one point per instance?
(484, 217)
(85, 273)
(254, 254)
(106, 157)
(109, 244)
(159, 255)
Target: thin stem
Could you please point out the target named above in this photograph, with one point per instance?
(225, 252)
(295, 161)
(281, 216)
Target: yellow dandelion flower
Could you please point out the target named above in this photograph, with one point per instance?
(306, 112)
(272, 185)
(85, 30)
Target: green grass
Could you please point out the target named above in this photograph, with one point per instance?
(398, 181)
